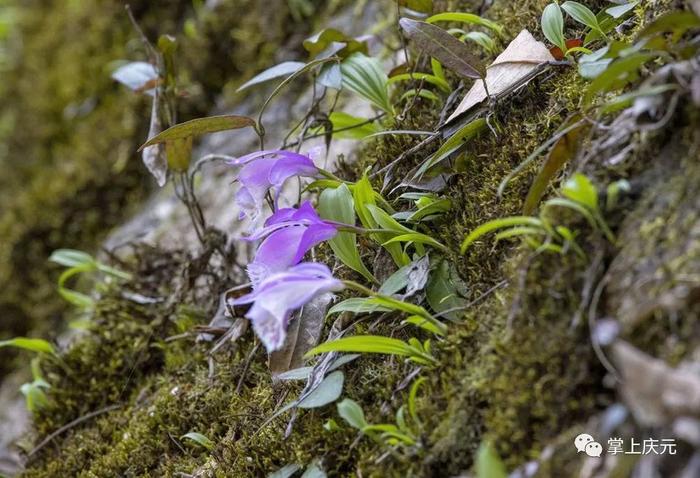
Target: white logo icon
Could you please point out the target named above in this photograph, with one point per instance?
(585, 443)
(594, 449)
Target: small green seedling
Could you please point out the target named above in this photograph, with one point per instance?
(413, 350)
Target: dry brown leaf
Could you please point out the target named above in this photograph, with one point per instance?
(154, 156)
(656, 393)
(302, 335)
(523, 55)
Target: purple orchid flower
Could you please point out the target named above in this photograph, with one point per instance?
(278, 295)
(263, 171)
(289, 234)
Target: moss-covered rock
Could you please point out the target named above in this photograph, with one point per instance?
(70, 133)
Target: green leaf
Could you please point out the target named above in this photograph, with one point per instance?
(519, 231)
(78, 299)
(34, 394)
(481, 39)
(488, 463)
(372, 217)
(438, 70)
(573, 205)
(444, 290)
(426, 77)
(178, 152)
(352, 413)
(422, 6)
(616, 75)
(400, 305)
(595, 63)
(72, 258)
(439, 44)
(381, 218)
(416, 237)
(358, 305)
(74, 297)
(436, 206)
(425, 324)
(199, 439)
(331, 425)
(613, 192)
(427, 94)
(581, 14)
(200, 126)
(338, 205)
(562, 151)
(469, 18)
(412, 394)
(330, 76)
(327, 40)
(580, 189)
(553, 26)
(328, 391)
(353, 127)
(302, 373)
(463, 135)
(607, 24)
(364, 75)
(33, 345)
(499, 224)
(364, 344)
(677, 22)
(619, 11)
(283, 69)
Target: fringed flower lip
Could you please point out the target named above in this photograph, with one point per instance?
(278, 295)
(265, 171)
(288, 235)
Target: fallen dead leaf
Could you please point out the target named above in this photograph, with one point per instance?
(655, 392)
(523, 55)
(302, 335)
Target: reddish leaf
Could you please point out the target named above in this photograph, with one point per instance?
(572, 43)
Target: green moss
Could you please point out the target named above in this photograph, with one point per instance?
(70, 133)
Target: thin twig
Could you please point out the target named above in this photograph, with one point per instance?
(592, 309)
(344, 128)
(248, 360)
(72, 424)
(444, 313)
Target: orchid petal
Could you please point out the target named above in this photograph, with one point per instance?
(280, 294)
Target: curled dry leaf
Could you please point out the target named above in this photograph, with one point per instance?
(442, 46)
(655, 392)
(138, 76)
(302, 335)
(154, 156)
(523, 55)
